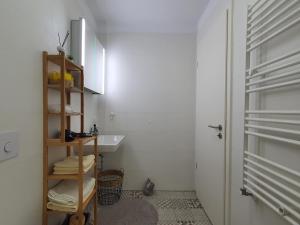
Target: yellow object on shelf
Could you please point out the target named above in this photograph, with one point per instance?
(55, 77)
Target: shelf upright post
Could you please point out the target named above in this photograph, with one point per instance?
(45, 137)
(82, 100)
(62, 97)
(80, 183)
(69, 121)
(96, 177)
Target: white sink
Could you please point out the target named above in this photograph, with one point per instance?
(109, 143)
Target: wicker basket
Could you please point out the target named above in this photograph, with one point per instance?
(110, 186)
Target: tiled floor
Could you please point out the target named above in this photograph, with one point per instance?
(174, 208)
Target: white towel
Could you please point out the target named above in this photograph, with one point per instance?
(66, 192)
(62, 208)
(71, 170)
(66, 208)
(73, 161)
(55, 108)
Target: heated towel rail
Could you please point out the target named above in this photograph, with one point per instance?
(273, 183)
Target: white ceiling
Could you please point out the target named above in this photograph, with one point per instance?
(163, 16)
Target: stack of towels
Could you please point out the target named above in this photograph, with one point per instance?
(55, 108)
(65, 195)
(70, 165)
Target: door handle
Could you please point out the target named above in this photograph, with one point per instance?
(219, 127)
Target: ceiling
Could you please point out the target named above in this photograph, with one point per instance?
(162, 16)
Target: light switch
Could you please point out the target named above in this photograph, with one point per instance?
(9, 145)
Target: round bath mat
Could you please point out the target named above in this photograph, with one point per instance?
(128, 212)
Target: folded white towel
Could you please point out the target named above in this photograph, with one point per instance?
(55, 108)
(66, 192)
(66, 208)
(72, 170)
(73, 162)
(62, 208)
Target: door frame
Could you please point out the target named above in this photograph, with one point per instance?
(228, 113)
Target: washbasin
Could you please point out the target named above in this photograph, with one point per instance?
(109, 143)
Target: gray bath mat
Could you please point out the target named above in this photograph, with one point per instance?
(128, 212)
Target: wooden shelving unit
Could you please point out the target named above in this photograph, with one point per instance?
(65, 123)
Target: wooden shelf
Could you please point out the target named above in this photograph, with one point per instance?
(56, 59)
(67, 114)
(65, 123)
(84, 204)
(72, 90)
(63, 177)
(68, 176)
(77, 141)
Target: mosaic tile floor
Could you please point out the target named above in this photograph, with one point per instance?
(174, 208)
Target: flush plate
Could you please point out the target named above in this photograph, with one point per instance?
(9, 145)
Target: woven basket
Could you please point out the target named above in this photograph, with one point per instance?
(110, 186)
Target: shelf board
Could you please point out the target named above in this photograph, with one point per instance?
(63, 177)
(84, 204)
(77, 141)
(57, 88)
(67, 114)
(56, 59)
(68, 176)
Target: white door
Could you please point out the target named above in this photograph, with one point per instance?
(211, 97)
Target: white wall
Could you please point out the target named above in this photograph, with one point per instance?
(151, 90)
(28, 28)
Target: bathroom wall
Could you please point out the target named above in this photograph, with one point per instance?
(151, 91)
(28, 28)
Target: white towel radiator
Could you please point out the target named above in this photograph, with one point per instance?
(273, 183)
